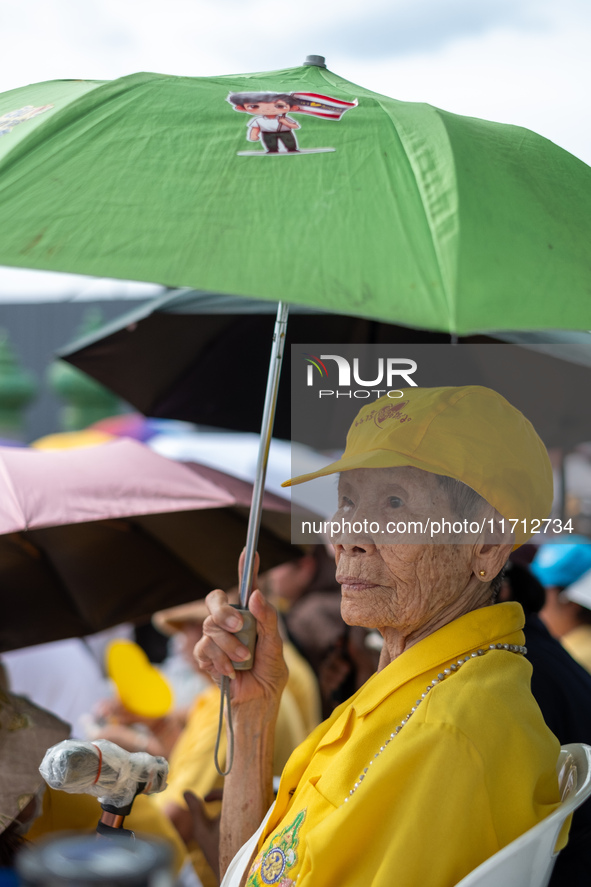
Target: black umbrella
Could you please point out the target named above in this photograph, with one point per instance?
(188, 354)
(204, 358)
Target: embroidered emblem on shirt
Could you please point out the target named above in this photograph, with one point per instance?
(270, 865)
(273, 865)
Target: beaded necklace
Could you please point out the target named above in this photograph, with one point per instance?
(452, 669)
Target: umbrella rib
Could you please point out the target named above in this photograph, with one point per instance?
(447, 226)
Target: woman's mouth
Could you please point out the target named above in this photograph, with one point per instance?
(353, 583)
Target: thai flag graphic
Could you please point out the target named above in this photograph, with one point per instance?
(321, 105)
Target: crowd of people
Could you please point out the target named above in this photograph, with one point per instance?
(327, 659)
(384, 701)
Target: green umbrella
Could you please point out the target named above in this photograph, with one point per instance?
(300, 186)
(392, 210)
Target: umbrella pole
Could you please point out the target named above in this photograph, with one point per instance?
(248, 633)
(254, 520)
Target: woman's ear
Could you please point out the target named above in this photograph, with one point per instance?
(489, 559)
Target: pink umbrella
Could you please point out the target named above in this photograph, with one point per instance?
(101, 535)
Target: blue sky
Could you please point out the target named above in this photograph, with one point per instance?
(517, 61)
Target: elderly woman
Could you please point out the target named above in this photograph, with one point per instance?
(442, 757)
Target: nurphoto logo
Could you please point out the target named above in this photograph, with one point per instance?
(388, 371)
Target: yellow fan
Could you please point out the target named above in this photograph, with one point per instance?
(141, 687)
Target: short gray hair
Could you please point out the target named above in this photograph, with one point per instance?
(467, 503)
(463, 500)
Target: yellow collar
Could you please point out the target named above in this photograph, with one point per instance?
(487, 625)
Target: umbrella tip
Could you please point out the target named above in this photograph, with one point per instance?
(316, 60)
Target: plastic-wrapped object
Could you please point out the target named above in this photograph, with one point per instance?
(82, 861)
(104, 770)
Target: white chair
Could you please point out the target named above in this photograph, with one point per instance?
(528, 861)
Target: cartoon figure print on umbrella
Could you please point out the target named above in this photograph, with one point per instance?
(271, 125)
(13, 118)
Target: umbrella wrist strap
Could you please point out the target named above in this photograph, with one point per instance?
(225, 700)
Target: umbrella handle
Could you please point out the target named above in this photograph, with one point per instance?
(256, 508)
(247, 636)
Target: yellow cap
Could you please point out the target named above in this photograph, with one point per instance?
(470, 433)
(142, 689)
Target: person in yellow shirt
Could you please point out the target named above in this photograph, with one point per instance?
(192, 768)
(192, 759)
(66, 812)
(442, 757)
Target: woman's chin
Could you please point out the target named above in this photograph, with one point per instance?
(354, 613)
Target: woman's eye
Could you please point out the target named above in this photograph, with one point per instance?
(346, 502)
(395, 502)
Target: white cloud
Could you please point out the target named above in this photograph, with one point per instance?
(524, 61)
(539, 81)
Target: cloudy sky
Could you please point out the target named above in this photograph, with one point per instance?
(516, 61)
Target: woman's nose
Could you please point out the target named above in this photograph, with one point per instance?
(352, 529)
(355, 548)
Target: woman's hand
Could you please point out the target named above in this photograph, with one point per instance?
(219, 645)
(127, 738)
(203, 829)
(114, 712)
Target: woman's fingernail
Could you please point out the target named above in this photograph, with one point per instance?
(242, 654)
(233, 622)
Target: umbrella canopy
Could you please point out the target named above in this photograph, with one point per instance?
(139, 427)
(237, 454)
(98, 536)
(132, 425)
(300, 185)
(174, 356)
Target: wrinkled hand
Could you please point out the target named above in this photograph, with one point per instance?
(112, 710)
(219, 645)
(125, 737)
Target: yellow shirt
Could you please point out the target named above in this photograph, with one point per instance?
(192, 767)
(474, 767)
(65, 812)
